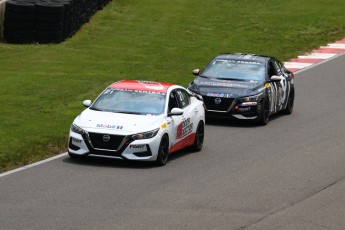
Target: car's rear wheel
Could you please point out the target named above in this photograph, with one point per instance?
(199, 137)
(264, 113)
(290, 103)
(163, 151)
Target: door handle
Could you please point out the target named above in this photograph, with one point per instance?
(196, 110)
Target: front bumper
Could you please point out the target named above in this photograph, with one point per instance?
(123, 148)
(233, 109)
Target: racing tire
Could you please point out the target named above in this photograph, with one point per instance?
(264, 113)
(163, 151)
(199, 137)
(290, 103)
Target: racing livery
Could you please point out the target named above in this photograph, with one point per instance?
(138, 120)
(245, 86)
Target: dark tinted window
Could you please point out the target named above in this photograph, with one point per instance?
(183, 97)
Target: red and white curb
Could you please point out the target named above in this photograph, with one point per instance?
(316, 56)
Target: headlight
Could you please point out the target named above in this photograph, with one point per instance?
(252, 98)
(145, 135)
(197, 95)
(77, 129)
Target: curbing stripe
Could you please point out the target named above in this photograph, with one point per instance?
(319, 56)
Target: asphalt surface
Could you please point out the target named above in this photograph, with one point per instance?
(286, 175)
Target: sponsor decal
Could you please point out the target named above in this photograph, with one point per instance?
(225, 84)
(75, 140)
(137, 146)
(226, 95)
(239, 61)
(107, 126)
(152, 85)
(110, 91)
(184, 128)
(164, 125)
(243, 109)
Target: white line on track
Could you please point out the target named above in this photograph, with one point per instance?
(33, 165)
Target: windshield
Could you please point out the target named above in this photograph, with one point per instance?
(226, 69)
(130, 101)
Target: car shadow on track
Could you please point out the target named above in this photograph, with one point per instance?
(119, 163)
(225, 122)
(109, 163)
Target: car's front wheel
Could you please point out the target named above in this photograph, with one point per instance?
(163, 151)
(264, 112)
(199, 137)
(289, 106)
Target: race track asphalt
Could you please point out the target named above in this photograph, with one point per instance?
(286, 175)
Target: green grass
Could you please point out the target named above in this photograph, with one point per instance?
(42, 86)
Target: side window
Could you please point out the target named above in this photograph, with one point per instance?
(183, 97)
(272, 69)
(278, 66)
(173, 101)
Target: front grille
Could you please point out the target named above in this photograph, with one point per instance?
(97, 141)
(223, 106)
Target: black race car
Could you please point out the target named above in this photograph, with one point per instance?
(245, 86)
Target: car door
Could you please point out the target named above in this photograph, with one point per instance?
(182, 125)
(285, 83)
(278, 88)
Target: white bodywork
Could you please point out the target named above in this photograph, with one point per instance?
(180, 129)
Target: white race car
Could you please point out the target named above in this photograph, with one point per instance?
(138, 120)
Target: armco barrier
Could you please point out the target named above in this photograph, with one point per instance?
(46, 21)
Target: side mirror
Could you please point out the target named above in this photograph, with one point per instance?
(87, 103)
(275, 78)
(196, 72)
(176, 112)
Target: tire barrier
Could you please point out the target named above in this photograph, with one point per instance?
(2, 15)
(45, 21)
(19, 22)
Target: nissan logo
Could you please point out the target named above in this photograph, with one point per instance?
(217, 100)
(106, 138)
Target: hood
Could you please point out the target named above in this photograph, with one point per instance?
(117, 123)
(225, 88)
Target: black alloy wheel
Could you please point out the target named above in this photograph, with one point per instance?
(264, 113)
(290, 103)
(163, 151)
(199, 137)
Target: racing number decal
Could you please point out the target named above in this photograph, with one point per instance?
(184, 128)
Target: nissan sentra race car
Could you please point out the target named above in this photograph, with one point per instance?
(138, 120)
(245, 86)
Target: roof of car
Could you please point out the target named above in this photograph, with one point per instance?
(244, 56)
(150, 86)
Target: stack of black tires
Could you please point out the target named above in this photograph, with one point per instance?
(46, 21)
